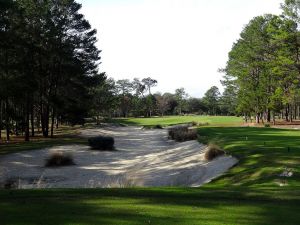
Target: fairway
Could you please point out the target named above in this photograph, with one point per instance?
(171, 120)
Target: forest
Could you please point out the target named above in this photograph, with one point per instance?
(49, 73)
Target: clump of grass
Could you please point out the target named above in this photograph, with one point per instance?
(57, 159)
(9, 183)
(213, 151)
(102, 143)
(182, 133)
(194, 123)
(203, 124)
(267, 125)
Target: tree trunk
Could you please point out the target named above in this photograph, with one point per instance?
(46, 120)
(32, 121)
(27, 133)
(56, 122)
(257, 118)
(291, 113)
(52, 122)
(7, 122)
(1, 119)
(268, 115)
(287, 113)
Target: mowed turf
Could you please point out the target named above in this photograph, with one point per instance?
(251, 193)
(171, 120)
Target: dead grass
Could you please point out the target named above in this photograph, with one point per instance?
(213, 151)
(57, 159)
(182, 133)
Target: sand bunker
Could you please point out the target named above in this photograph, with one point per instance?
(143, 158)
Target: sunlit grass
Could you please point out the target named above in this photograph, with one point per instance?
(171, 120)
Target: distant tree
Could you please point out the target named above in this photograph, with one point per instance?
(180, 96)
(162, 102)
(211, 100)
(196, 105)
(124, 88)
(149, 83)
(104, 99)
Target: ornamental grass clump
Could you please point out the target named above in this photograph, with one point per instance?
(57, 159)
(212, 152)
(103, 143)
(182, 133)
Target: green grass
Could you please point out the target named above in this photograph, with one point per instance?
(144, 206)
(171, 120)
(248, 194)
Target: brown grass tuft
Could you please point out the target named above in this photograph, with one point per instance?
(59, 159)
(212, 152)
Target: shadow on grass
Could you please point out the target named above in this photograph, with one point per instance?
(40, 144)
(146, 206)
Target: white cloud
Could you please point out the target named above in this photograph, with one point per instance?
(181, 43)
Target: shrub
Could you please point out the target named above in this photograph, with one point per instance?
(102, 143)
(158, 126)
(212, 152)
(182, 133)
(194, 123)
(59, 159)
(203, 124)
(9, 184)
(150, 127)
(267, 125)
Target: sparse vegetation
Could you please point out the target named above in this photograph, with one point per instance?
(59, 159)
(213, 151)
(102, 143)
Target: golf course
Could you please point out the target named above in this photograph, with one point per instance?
(252, 192)
(149, 112)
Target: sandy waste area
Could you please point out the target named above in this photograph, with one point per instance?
(142, 158)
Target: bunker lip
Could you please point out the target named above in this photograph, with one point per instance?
(144, 158)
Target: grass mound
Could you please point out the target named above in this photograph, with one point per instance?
(102, 143)
(213, 152)
(59, 159)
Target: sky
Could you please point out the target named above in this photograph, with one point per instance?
(180, 43)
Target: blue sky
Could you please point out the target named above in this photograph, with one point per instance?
(181, 43)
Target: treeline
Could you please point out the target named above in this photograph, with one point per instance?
(125, 98)
(48, 66)
(263, 69)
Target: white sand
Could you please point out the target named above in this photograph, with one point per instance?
(143, 158)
